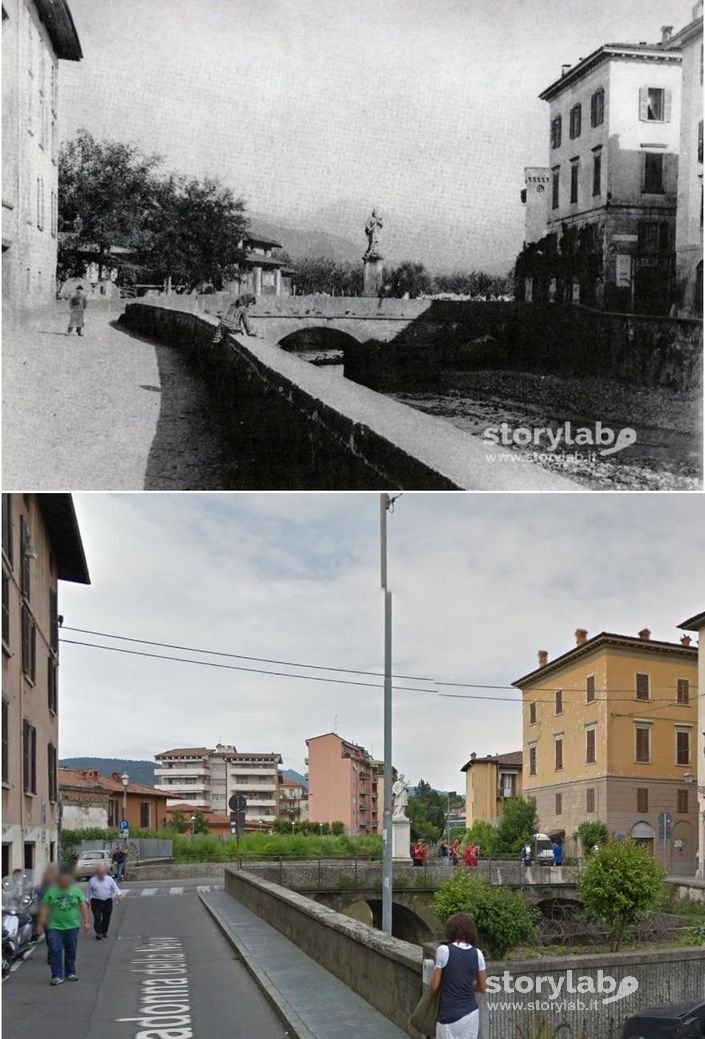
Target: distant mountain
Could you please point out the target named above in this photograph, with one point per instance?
(295, 777)
(138, 771)
(302, 244)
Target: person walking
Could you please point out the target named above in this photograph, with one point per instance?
(119, 858)
(77, 306)
(63, 912)
(460, 972)
(454, 851)
(101, 889)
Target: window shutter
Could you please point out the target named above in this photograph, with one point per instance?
(667, 105)
(644, 104)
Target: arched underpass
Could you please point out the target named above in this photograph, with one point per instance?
(413, 923)
(321, 344)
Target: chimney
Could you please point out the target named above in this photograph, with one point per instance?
(543, 657)
(473, 756)
(645, 634)
(686, 640)
(666, 33)
(580, 636)
(565, 69)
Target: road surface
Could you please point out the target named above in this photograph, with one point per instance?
(107, 411)
(157, 924)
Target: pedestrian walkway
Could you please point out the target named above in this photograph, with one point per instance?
(164, 892)
(107, 411)
(315, 1004)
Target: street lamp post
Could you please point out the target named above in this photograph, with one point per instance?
(124, 779)
(193, 825)
(387, 862)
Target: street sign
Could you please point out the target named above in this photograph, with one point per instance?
(237, 803)
(124, 827)
(665, 821)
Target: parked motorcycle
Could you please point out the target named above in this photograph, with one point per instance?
(17, 924)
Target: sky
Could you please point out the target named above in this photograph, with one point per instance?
(316, 111)
(480, 583)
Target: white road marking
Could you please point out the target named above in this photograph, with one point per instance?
(148, 891)
(176, 891)
(203, 887)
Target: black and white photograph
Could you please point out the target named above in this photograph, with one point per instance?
(353, 580)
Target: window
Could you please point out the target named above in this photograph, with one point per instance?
(29, 645)
(597, 171)
(25, 562)
(54, 138)
(29, 855)
(643, 743)
(654, 236)
(559, 701)
(52, 690)
(654, 105)
(144, 815)
(682, 746)
(597, 108)
(653, 173)
(532, 759)
(574, 180)
(54, 84)
(642, 687)
(700, 141)
(559, 753)
(53, 619)
(682, 802)
(29, 758)
(683, 687)
(555, 187)
(52, 784)
(113, 813)
(532, 714)
(5, 608)
(590, 746)
(5, 743)
(559, 804)
(42, 121)
(576, 119)
(7, 527)
(590, 799)
(590, 688)
(642, 800)
(556, 131)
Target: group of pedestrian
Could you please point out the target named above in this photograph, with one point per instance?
(64, 911)
(449, 852)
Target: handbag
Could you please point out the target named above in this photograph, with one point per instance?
(425, 1014)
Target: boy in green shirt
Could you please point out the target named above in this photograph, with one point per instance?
(63, 908)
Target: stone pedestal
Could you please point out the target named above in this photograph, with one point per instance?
(401, 840)
(372, 276)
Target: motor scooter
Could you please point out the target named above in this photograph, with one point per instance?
(17, 924)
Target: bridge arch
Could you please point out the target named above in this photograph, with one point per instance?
(410, 923)
(324, 338)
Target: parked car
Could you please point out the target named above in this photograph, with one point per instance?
(89, 861)
(682, 1021)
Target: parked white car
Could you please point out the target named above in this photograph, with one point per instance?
(89, 861)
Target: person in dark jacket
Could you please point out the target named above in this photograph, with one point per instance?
(77, 306)
(460, 972)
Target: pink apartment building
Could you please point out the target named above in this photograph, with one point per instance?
(343, 784)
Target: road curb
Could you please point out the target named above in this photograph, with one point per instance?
(297, 1028)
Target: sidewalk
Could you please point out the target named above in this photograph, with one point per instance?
(313, 1003)
(107, 411)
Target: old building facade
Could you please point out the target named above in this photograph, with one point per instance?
(41, 546)
(697, 624)
(36, 36)
(489, 782)
(609, 734)
(343, 784)
(89, 798)
(614, 139)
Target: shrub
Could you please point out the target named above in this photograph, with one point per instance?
(621, 883)
(590, 834)
(502, 917)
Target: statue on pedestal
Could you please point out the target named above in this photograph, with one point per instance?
(400, 792)
(372, 228)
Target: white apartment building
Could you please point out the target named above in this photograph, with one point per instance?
(205, 777)
(36, 35)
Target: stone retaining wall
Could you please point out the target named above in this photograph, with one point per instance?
(176, 871)
(293, 425)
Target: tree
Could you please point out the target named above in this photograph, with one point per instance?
(428, 811)
(410, 279)
(517, 825)
(503, 919)
(323, 274)
(200, 823)
(106, 196)
(620, 883)
(591, 833)
(483, 833)
(178, 822)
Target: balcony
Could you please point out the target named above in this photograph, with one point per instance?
(195, 771)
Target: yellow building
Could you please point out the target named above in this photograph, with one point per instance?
(489, 782)
(610, 734)
(697, 624)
